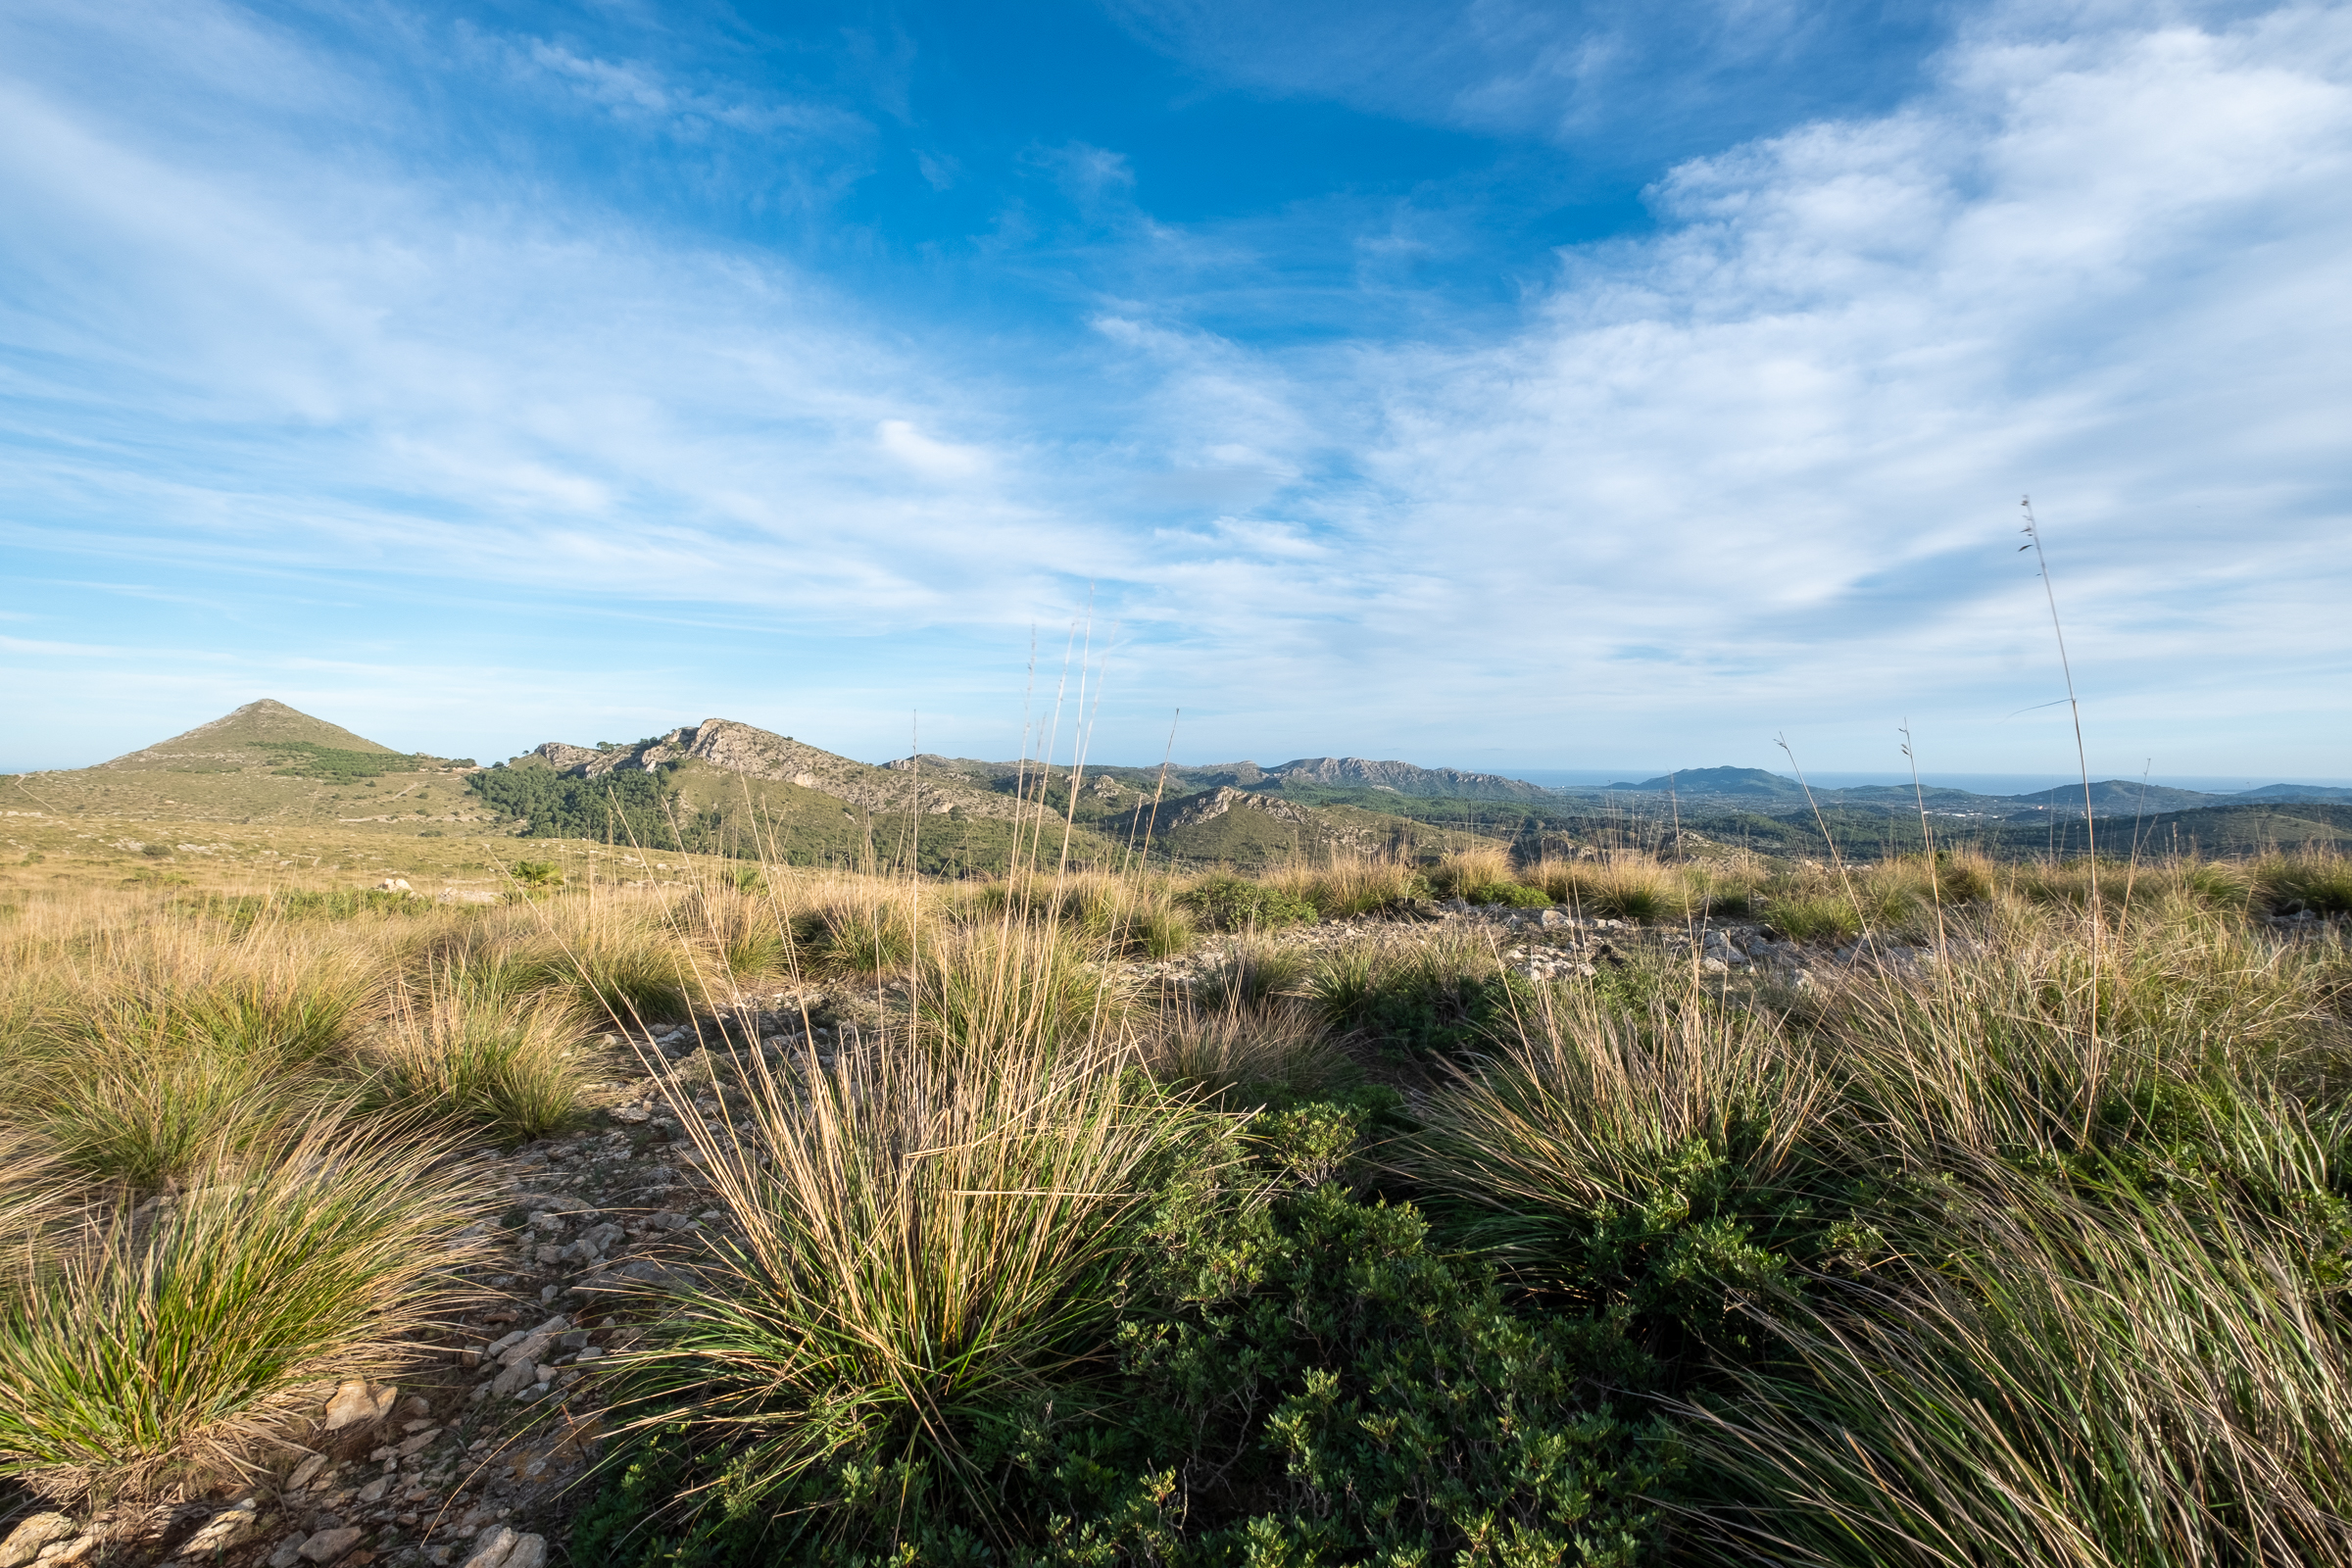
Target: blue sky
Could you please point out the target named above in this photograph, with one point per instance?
(1516, 386)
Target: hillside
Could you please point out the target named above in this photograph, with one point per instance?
(727, 788)
(236, 739)
(265, 762)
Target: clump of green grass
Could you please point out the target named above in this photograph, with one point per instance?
(515, 1070)
(1254, 972)
(1000, 986)
(871, 940)
(2074, 1382)
(1413, 1001)
(1350, 886)
(166, 1348)
(152, 1110)
(630, 974)
(1281, 1048)
(1622, 887)
(1122, 916)
(1461, 871)
(1814, 917)
(2318, 884)
(933, 1239)
(1652, 1164)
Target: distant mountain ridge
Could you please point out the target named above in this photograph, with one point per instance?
(2115, 797)
(1406, 778)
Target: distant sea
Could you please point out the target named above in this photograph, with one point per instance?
(1977, 783)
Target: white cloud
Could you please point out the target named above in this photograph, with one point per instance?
(932, 458)
(1782, 443)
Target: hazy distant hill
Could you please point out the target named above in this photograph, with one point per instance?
(1252, 829)
(1755, 789)
(2128, 796)
(1739, 782)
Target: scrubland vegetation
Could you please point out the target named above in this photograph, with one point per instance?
(1152, 1219)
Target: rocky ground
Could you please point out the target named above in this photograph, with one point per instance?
(473, 1462)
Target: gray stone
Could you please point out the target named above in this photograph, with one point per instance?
(515, 1379)
(228, 1528)
(329, 1545)
(491, 1550)
(530, 1347)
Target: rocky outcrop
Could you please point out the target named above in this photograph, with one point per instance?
(1210, 804)
(757, 753)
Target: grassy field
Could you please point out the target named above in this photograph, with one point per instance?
(1585, 1210)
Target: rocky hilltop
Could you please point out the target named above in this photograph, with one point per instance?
(740, 748)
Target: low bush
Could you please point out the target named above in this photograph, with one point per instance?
(1230, 903)
(1512, 894)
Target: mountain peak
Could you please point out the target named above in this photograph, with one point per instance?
(232, 738)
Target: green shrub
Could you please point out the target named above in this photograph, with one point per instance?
(1515, 895)
(1231, 903)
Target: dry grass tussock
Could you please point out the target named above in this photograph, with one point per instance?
(161, 1346)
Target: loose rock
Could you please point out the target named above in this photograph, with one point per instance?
(25, 1542)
